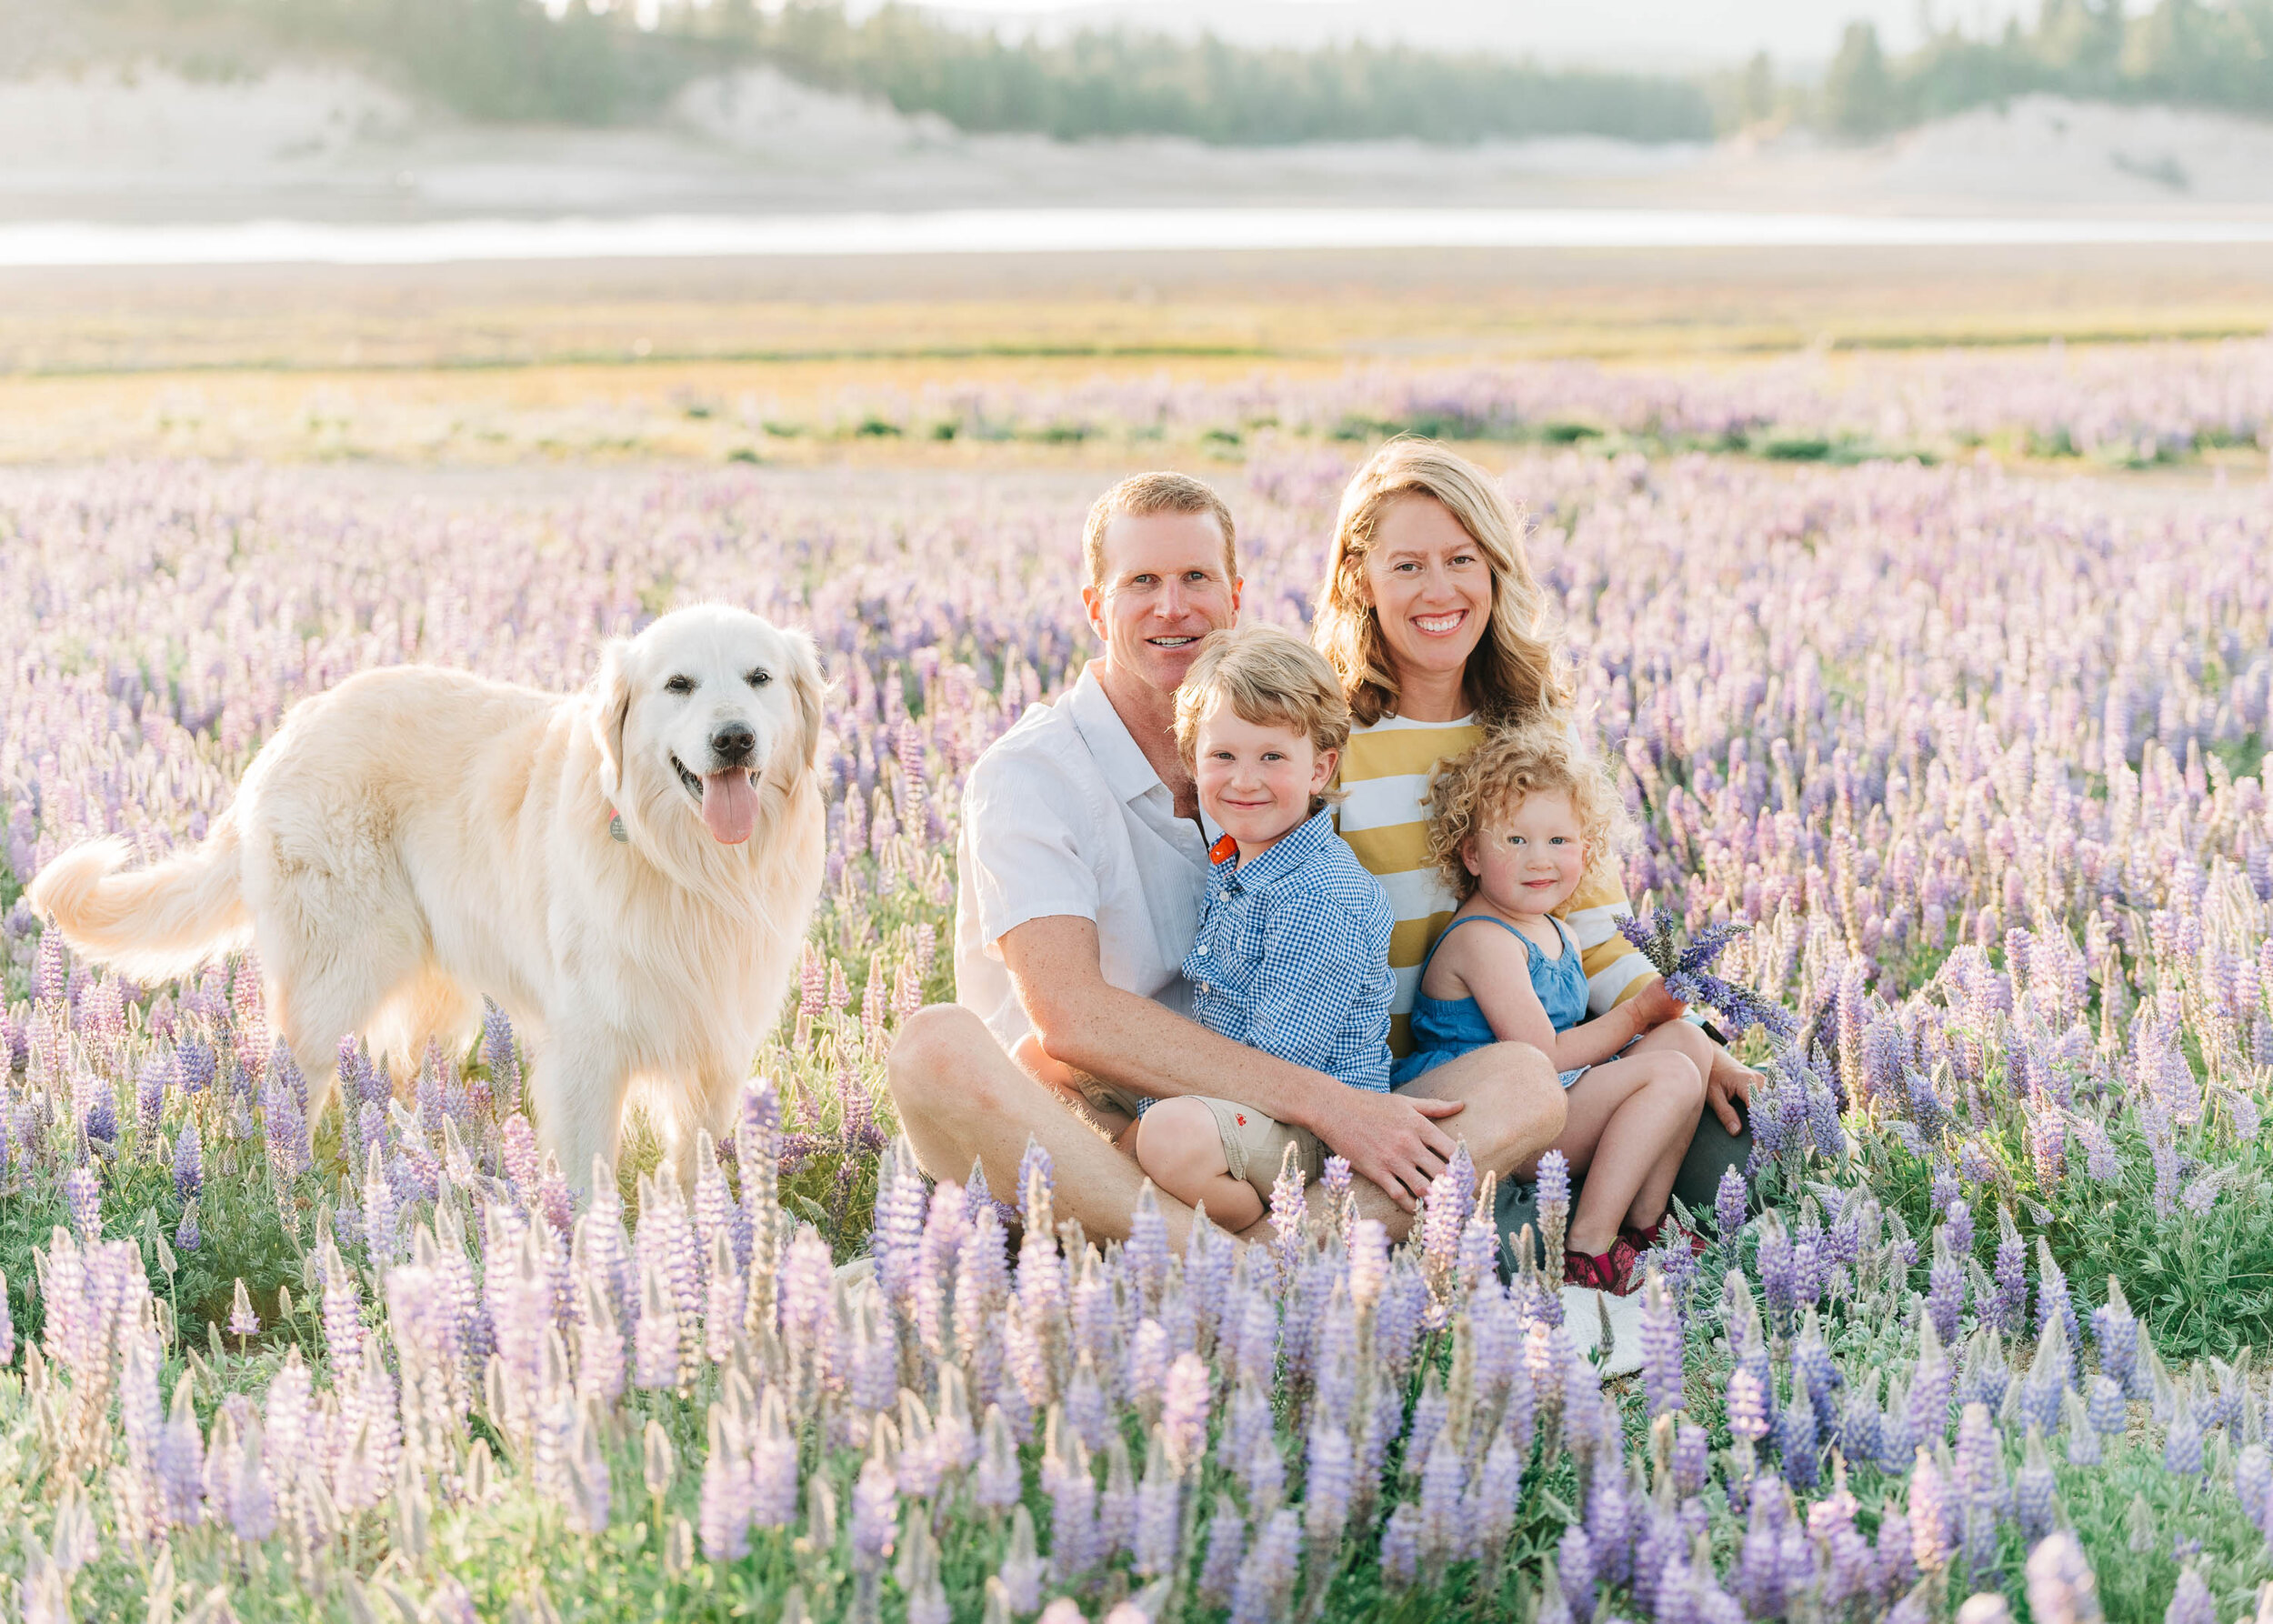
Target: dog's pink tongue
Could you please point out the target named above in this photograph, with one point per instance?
(729, 806)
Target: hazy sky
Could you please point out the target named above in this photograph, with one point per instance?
(1798, 31)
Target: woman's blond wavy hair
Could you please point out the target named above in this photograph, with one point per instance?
(1517, 671)
(1470, 793)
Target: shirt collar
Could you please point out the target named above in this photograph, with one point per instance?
(1126, 772)
(1296, 847)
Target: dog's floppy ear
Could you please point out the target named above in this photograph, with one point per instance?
(611, 692)
(812, 688)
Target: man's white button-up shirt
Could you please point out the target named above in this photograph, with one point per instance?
(1063, 815)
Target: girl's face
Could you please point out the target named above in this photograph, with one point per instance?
(1429, 585)
(1530, 858)
(1256, 778)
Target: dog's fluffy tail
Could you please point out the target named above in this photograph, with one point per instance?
(155, 923)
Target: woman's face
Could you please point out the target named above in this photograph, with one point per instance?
(1430, 588)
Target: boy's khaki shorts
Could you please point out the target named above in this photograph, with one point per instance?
(1254, 1145)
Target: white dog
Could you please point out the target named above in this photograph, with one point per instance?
(628, 872)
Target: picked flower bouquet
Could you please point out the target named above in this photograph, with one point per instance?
(1689, 975)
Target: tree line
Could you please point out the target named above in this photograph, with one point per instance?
(564, 61)
(2187, 52)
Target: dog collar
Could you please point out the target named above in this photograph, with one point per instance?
(616, 828)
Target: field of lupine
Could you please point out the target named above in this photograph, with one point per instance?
(1982, 755)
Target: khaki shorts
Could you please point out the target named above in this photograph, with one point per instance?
(1254, 1145)
(1104, 1097)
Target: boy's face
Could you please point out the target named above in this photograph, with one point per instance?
(1256, 778)
(1529, 859)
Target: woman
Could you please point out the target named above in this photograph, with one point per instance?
(1432, 617)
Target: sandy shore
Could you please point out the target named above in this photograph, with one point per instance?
(324, 143)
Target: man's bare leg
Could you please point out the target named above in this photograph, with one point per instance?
(1515, 1110)
(961, 1098)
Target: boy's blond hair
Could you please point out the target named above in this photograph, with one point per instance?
(1469, 793)
(1270, 678)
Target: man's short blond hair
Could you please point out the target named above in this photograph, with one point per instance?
(1468, 795)
(1270, 678)
(1143, 493)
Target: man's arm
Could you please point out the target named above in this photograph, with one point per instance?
(1088, 1024)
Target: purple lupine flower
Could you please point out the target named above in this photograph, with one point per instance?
(2117, 1332)
(1746, 1406)
(2009, 1311)
(1227, 1549)
(2182, 1444)
(1933, 1513)
(1931, 1385)
(1491, 1509)
(773, 1466)
(1156, 1546)
(1575, 1563)
(1944, 1294)
(1730, 1203)
(2253, 1485)
(242, 1322)
(1661, 1340)
(2036, 1490)
(1554, 1203)
(2109, 1415)
(2053, 1303)
(1692, 1459)
(1184, 1408)
(1117, 1505)
(83, 1194)
(1400, 1548)
(1797, 1440)
(875, 1514)
(2191, 1602)
(723, 1519)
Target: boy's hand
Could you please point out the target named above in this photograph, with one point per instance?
(1654, 1006)
(1392, 1140)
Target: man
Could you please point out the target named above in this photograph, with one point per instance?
(1081, 869)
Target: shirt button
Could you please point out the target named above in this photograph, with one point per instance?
(1201, 949)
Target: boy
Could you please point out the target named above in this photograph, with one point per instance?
(1293, 949)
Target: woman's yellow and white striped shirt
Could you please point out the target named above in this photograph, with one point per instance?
(1385, 771)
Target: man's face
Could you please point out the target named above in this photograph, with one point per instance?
(1165, 586)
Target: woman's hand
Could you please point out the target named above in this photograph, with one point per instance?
(1654, 1006)
(1730, 1080)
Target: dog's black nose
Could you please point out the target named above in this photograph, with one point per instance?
(735, 743)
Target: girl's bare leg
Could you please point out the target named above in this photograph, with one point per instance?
(1630, 1121)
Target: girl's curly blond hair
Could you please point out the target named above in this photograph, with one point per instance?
(1470, 792)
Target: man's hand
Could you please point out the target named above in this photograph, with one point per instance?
(1653, 1005)
(1392, 1140)
(1731, 1079)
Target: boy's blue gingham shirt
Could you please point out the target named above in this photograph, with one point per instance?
(1293, 956)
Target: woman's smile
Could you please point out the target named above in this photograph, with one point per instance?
(1440, 626)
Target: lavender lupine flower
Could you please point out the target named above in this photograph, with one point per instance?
(1945, 1296)
(2117, 1332)
(83, 1194)
(2053, 1302)
(1692, 1459)
(2035, 1490)
(1227, 1550)
(1933, 1514)
(242, 1322)
(2253, 1485)
(1021, 1575)
(1400, 1548)
(2182, 1445)
(1661, 1348)
(1554, 1204)
(1575, 1562)
(2008, 1311)
(1730, 1204)
(1158, 1534)
(876, 1512)
(2191, 1602)
(2109, 1415)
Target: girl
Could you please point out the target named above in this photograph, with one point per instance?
(1515, 827)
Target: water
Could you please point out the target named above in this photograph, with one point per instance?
(1058, 231)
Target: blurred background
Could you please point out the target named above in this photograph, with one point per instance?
(481, 231)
